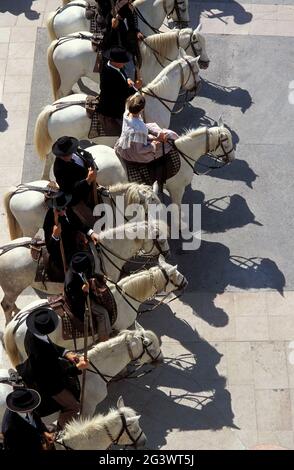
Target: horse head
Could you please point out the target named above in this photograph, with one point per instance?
(175, 281)
(193, 42)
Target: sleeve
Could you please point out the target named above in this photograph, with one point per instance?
(52, 244)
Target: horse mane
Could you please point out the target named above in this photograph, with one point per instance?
(161, 43)
(136, 284)
(86, 427)
(190, 134)
(108, 345)
(131, 191)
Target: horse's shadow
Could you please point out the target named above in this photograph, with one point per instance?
(234, 96)
(18, 7)
(185, 393)
(220, 214)
(225, 8)
(215, 268)
(238, 170)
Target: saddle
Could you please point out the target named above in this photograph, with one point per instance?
(158, 170)
(91, 106)
(72, 327)
(46, 271)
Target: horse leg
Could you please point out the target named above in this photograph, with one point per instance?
(176, 194)
(47, 166)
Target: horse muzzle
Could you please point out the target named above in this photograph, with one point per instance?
(203, 64)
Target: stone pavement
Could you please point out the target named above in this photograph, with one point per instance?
(227, 381)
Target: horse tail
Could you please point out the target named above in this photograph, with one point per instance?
(54, 74)
(10, 344)
(15, 230)
(65, 2)
(50, 25)
(42, 139)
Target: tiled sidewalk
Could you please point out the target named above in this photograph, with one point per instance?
(254, 346)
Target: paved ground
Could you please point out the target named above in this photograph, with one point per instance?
(227, 382)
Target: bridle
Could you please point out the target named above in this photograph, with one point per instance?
(124, 429)
(179, 287)
(149, 92)
(145, 349)
(176, 9)
(168, 14)
(107, 253)
(196, 52)
(224, 158)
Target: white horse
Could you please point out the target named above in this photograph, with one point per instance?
(18, 268)
(152, 13)
(129, 293)
(109, 358)
(215, 141)
(73, 57)
(26, 210)
(161, 95)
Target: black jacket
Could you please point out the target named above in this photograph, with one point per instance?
(71, 177)
(43, 368)
(75, 297)
(114, 90)
(19, 435)
(70, 227)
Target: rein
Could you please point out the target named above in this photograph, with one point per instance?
(188, 159)
(149, 92)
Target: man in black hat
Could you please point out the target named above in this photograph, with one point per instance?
(115, 88)
(22, 428)
(81, 281)
(74, 169)
(61, 224)
(43, 368)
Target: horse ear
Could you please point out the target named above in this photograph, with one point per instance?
(120, 402)
(198, 29)
(138, 326)
(133, 419)
(161, 259)
(173, 269)
(220, 122)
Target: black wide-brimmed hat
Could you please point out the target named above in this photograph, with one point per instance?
(81, 262)
(118, 54)
(59, 200)
(65, 146)
(42, 321)
(23, 400)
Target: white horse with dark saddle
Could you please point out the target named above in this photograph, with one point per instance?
(216, 142)
(109, 358)
(68, 115)
(150, 13)
(71, 58)
(26, 208)
(129, 293)
(118, 245)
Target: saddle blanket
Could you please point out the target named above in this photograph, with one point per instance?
(159, 170)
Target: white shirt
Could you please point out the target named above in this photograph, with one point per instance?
(78, 160)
